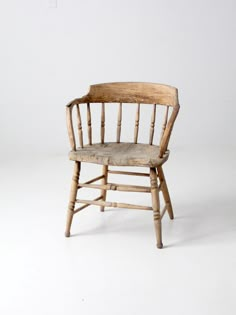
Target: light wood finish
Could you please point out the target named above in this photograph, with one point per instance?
(92, 180)
(73, 193)
(156, 206)
(70, 128)
(166, 135)
(165, 122)
(165, 192)
(103, 183)
(102, 123)
(136, 124)
(80, 131)
(164, 210)
(129, 173)
(130, 92)
(119, 153)
(119, 123)
(86, 205)
(89, 124)
(113, 204)
(152, 127)
(118, 187)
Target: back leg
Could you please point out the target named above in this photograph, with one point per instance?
(73, 193)
(165, 192)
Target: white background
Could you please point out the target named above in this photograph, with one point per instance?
(50, 56)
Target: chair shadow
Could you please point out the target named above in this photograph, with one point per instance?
(118, 221)
(208, 222)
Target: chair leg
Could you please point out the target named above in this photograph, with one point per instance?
(165, 192)
(73, 193)
(156, 206)
(104, 182)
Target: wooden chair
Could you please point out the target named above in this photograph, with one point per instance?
(123, 153)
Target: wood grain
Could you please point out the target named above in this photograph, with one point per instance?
(130, 92)
(120, 154)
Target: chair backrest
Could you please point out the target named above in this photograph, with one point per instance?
(126, 92)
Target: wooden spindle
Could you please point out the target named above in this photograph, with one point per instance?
(80, 130)
(89, 124)
(152, 127)
(165, 122)
(136, 124)
(70, 128)
(102, 123)
(113, 204)
(119, 123)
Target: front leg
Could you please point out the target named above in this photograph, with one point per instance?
(156, 207)
(73, 194)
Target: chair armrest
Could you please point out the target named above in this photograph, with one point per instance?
(166, 136)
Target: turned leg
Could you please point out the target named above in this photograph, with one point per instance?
(73, 193)
(156, 206)
(104, 182)
(165, 192)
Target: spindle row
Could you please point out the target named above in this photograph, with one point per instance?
(119, 125)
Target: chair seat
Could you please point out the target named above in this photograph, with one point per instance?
(120, 154)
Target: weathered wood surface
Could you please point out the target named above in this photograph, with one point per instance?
(120, 154)
(130, 92)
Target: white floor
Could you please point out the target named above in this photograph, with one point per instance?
(111, 265)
